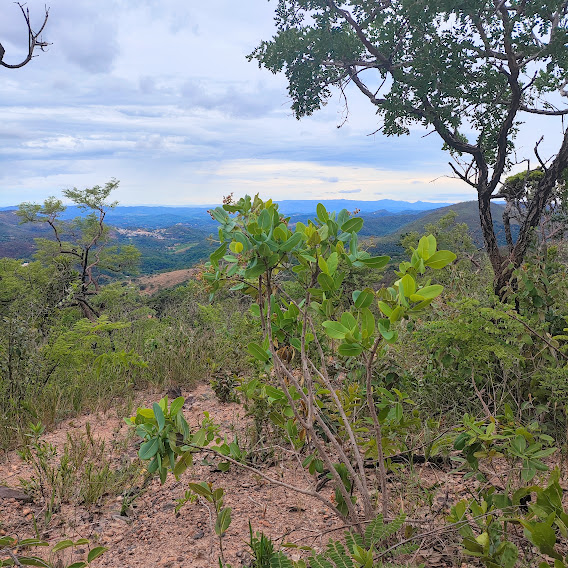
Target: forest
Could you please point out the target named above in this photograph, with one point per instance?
(322, 392)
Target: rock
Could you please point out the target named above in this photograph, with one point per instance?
(7, 493)
(26, 512)
(198, 535)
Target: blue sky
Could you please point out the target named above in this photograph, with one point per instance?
(158, 94)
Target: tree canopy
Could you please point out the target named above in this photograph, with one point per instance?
(467, 70)
(81, 245)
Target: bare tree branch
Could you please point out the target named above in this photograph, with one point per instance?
(34, 39)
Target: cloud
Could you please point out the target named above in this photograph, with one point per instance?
(350, 191)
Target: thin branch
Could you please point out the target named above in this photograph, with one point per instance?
(541, 337)
(34, 39)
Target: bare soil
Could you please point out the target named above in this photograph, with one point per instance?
(153, 534)
(151, 284)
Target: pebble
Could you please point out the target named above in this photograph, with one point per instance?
(26, 512)
(198, 535)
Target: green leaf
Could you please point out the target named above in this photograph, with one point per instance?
(201, 489)
(332, 263)
(258, 352)
(218, 254)
(363, 299)
(294, 240)
(408, 285)
(62, 545)
(265, 220)
(326, 282)
(183, 463)
(440, 259)
(149, 449)
(375, 261)
(176, 406)
(428, 293)
(223, 521)
(323, 265)
(79, 564)
(33, 561)
(322, 213)
(367, 323)
(159, 414)
(335, 329)
(352, 225)
(350, 349)
(95, 553)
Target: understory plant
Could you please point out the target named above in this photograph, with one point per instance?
(260, 252)
(295, 276)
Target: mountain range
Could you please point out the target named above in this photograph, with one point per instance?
(171, 238)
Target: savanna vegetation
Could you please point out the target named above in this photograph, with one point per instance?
(353, 366)
(357, 366)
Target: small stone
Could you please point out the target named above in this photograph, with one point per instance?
(198, 535)
(26, 512)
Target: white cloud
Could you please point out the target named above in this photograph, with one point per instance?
(158, 94)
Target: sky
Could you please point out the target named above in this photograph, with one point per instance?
(159, 95)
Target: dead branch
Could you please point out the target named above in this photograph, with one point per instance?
(35, 40)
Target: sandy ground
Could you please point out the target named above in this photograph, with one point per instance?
(152, 534)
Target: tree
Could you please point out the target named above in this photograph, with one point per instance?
(35, 40)
(81, 245)
(466, 70)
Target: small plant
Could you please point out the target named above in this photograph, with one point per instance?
(222, 514)
(12, 552)
(84, 472)
(224, 386)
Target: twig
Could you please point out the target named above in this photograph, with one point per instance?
(534, 332)
(485, 407)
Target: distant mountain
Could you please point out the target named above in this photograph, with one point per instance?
(17, 241)
(467, 212)
(156, 217)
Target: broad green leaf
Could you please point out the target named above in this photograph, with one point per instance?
(348, 320)
(429, 292)
(176, 406)
(323, 265)
(322, 213)
(183, 463)
(62, 545)
(385, 308)
(149, 449)
(265, 220)
(332, 263)
(33, 561)
(236, 247)
(367, 323)
(159, 414)
(294, 240)
(201, 489)
(375, 261)
(363, 299)
(335, 330)
(440, 259)
(326, 282)
(218, 254)
(352, 225)
(408, 285)
(258, 352)
(223, 521)
(95, 553)
(350, 349)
